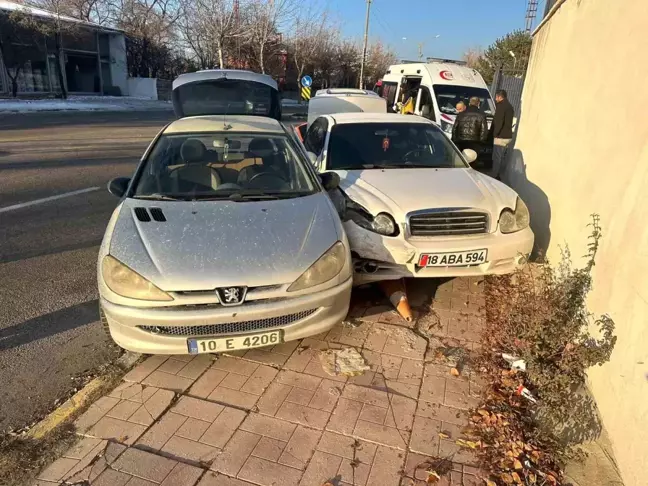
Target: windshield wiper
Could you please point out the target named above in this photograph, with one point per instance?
(160, 197)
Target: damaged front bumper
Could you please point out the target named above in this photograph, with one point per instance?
(378, 257)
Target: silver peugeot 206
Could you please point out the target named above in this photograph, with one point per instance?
(225, 237)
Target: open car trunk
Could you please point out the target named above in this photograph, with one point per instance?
(226, 92)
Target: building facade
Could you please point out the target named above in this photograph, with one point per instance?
(571, 159)
(92, 58)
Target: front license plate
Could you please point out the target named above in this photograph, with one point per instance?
(454, 259)
(218, 345)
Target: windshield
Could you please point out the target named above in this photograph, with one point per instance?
(390, 145)
(222, 166)
(448, 96)
(226, 96)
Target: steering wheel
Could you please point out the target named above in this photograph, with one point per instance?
(411, 152)
(267, 174)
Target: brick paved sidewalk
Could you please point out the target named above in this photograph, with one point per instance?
(273, 417)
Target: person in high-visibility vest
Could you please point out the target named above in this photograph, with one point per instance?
(408, 106)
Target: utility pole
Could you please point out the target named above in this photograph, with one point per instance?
(364, 47)
(420, 51)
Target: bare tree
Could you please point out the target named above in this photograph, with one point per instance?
(347, 63)
(209, 28)
(13, 40)
(264, 21)
(96, 11)
(309, 33)
(472, 56)
(379, 58)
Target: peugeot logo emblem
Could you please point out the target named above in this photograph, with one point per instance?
(229, 296)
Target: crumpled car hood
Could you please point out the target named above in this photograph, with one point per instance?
(400, 191)
(203, 245)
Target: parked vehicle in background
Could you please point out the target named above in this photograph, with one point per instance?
(225, 237)
(441, 84)
(413, 206)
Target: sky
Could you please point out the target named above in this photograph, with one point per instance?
(460, 24)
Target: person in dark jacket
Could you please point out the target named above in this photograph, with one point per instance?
(470, 129)
(502, 131)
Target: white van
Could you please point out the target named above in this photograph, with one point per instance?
(441, 84)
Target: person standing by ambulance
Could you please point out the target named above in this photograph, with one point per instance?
(502, 130)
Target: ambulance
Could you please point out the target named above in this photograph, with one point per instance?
(441, 84)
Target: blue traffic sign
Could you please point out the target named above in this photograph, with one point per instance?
(306, 81)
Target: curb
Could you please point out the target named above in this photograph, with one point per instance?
(77, 401)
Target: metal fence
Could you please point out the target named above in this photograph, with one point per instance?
(512, 81)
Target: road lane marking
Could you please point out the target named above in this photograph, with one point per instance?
(47, 199)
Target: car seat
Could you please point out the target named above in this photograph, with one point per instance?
(194, 174)
(259, 148)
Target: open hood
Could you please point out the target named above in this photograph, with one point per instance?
(225, 92)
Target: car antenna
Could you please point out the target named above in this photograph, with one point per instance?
(226, 126)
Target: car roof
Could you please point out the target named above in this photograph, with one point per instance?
(340, 92)
(217, 123)
(377, 118)
(209, 74)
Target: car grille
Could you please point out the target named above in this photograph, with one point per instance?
(448, 223)
(229, 327)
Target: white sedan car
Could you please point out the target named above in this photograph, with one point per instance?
(413, 206)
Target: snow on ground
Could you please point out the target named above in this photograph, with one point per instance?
(83, 103)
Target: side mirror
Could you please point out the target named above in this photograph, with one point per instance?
(312, 157)
(330, 180)
(470, 155)
(117, 187)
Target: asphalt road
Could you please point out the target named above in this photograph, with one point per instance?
(49, 329)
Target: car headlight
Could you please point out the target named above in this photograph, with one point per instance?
(446, 127)
(328, 266)
(384, 224)
(512, 221)
(128, 283)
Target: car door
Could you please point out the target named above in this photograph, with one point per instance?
(315, 140)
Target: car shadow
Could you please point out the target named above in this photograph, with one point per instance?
(47, 325)
(515, 176)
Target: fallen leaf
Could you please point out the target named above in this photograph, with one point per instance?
(433, 477)
(483, 412)
(443, 435)
(517, 464)
(516, 478)
(454, 372)
(467, 443)
(507, 478)
(490, 483)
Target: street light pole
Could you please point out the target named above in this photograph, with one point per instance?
(364, 47)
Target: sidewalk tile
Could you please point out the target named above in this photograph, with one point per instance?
(372, 413)
(207, 383)
(460, 455)
(196, 367)
(192, 429)
(190, 450)
(162, 431)
(112, 478)
(233, 398)
(326, 396)
(300, 380)
(82, 448)
(266, 356)
(300, 448)
(85, 469)
(196, 408)
(123, 410)
(118, 430)
(321, 468)
(311, 417)
(160, 379)
(460, 400)
(94, 413)
(182, 475)
(135, 392)
(416, 467)
(213, 479)
(269, 449)
(171, 365)
(381, 434)
(259, 380)
(401, 412)
(441, 412)
(357, 456)
(141, 371)
(140, 482)
(425, 436)
(433, 388)
(273, 397)
(268, 427)
(266, 473)
(144, 465)
(235, 453)
(223, 427)
(366, 395)
(386, 467)
(345, 416)
(58, 469)
(235, 365)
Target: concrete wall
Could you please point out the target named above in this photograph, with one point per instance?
(582, 148)
(118, 66)
(143, 88)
